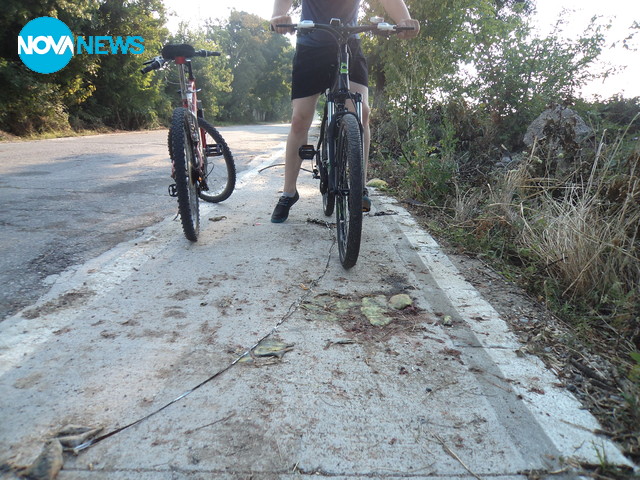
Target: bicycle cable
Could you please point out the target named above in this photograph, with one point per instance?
(294, 307)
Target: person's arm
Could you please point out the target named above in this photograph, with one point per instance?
(398, 11)
(281, 15)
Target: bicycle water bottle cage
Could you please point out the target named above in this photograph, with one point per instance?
(170, 52)
(307, 152)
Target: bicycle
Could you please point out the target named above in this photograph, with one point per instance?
(194, 144)
(339, 162)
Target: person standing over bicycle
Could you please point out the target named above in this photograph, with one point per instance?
(311, 75)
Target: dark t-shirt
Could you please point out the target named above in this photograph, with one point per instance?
(322, 11)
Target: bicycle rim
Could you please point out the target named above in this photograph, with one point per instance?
(220, 169)
(349, 190)
(181, 148)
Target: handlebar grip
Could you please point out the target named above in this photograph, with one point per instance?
(207, 53)
(151, 65)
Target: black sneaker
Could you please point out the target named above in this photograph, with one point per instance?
(281, 212)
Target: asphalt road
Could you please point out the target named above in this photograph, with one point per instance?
(153, 340)
(67, 200)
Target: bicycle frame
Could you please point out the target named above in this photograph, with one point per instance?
(189, 96)
(336, 107)
(339, 156)
(192, 165)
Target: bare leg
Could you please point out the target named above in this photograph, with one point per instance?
(301, 118)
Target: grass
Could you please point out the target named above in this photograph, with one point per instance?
(571, 240)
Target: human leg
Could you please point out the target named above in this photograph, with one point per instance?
(301, 118)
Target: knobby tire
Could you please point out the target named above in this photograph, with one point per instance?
(349, 188)
(328, 197)
(182, 155)
(220, 177)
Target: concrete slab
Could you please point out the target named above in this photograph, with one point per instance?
(128, 332)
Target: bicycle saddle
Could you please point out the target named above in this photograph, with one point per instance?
(170, 52)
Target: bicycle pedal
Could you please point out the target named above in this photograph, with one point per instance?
(213, 150)
(307, 152)
(173, 191)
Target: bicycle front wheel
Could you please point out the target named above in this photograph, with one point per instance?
(220, 168)
(348, 168)
(182, 154)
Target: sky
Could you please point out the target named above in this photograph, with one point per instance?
(576, 13)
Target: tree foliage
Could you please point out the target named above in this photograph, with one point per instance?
(261, 65)
(249, 82)
(31, 102)
(478, 68)
(123, 98)
(475, 68)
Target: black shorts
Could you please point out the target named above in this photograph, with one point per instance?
(314, 69)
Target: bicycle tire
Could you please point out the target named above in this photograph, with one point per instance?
(220, 177)
(349, 187)
(181, 150)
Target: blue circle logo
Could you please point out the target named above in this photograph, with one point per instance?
(45, 45)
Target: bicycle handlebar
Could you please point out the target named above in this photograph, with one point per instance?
(206, 53)
(174, 51)
(154, 64)
(310, 25)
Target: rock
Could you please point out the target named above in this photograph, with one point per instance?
(378, 183)
(558, 134)
(374, 309)
(400, 301)
(552, 120)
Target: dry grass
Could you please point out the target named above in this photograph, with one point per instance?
(588, 241)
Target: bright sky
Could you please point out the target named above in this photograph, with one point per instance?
(622, 13)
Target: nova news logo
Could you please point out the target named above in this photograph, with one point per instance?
(46, 45)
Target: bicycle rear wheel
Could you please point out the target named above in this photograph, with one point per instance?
(348, 168)
(184, 162)
(220, 168)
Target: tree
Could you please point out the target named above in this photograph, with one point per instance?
(124, 98)
(477, 62)
(213, 75)
(258, 60)
(32, 102)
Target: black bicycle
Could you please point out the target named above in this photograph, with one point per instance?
(339, 158)
(202, 164)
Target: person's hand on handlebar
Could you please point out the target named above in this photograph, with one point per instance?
(409, 22)
(281, 20)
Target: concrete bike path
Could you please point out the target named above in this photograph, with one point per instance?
(437, 393)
